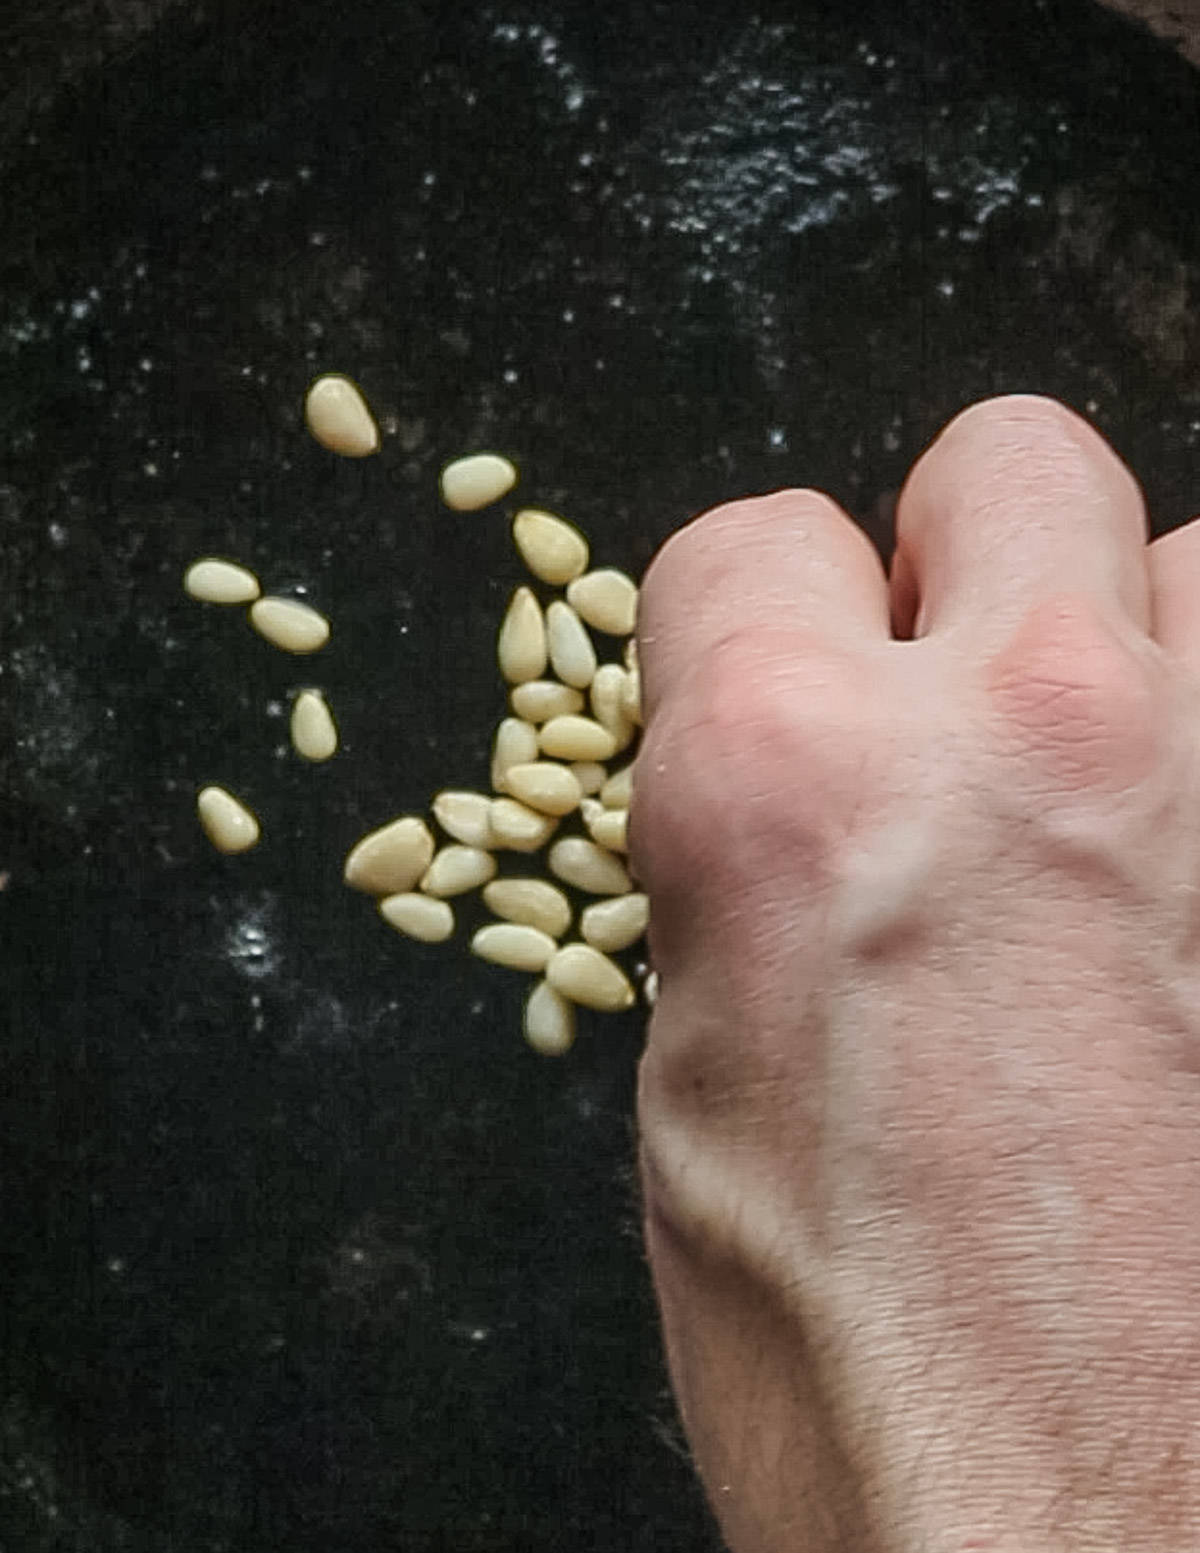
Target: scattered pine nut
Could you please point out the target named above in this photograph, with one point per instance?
(608, 703)
(314, 732)
(587, 976)
(606, 600)
(457, 869)
(538, 700)
(610, 829)
(465, 816)
(549, 1021)
(535, 902)
(220, 582)
(516, 744)
(545, 786)
(580, 862)
(477, 481)
(571, 652)
(590, 775)
(576, 738)
(338, 417)
(419, 916)
(631, 696)
(618, 789)
(288, 624)
(519, 828)
(521, 647)
(553, 549)
(390, 860)
(227, 822)
(613, 925)
(514, 945)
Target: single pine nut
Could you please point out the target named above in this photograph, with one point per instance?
(535, 902)
(455, 870)
(521, 648)
(338, 417)
(288, 624)
(419, 916)
(220, 582)
(549, 1021)
(590, 775)
(477, 481)
(586, 976)
(552, 549)
(571, 652)
(314, 732)
(606, 599)
(608, 703)
(591, 809)
(545, 786)
(538, 700)
(618, 790)
(516, 744)
(390, 860)
(588, 867)
(465, 816)
(631, 697)
(227, 822)
(613, 925)
(514, 945)
(610, 829)
(630, 655)
(519, 828)
(576, 738)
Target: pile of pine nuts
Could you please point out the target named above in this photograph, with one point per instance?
(561, 764)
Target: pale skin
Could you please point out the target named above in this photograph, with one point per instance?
(920, 1103)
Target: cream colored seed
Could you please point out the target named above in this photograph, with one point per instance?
(576, 738)
(610, 829)
(615, 924)
(220, 582)
(571, 652)
(227, 822)
(590, 775)
(516, 744)
(539, 700)
(514, 945)
(535, 902)
(545, 786)
(591, 810)
(552, 549)
(549, 1021)
(288, 624)
(520, 828)
(630, 655)
(455, 870)
(465, 816)
(606, 599)
(338, 417)
(521, 648)
(580, 862)
(586, 976)
(618, 790)
(631, 696)
(419, 916)
(314, 732)
(608, 703)
(477, 481)
(390, 860)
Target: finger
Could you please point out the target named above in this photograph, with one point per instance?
(1017, 501)
(792, 560)
(1174, 565)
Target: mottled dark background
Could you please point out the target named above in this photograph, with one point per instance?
(303, 1250)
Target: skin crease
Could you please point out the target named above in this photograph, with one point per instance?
(920, 1104)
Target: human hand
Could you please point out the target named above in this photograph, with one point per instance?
(920, 1105)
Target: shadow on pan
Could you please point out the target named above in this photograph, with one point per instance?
(303, 1248)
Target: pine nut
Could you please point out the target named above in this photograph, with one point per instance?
(588, 867)
(465, 816)
(538, 700)
(519, 828)
(535, 902)
(552, 549)
(549, 1021)
(521, 648)
(631, 698)
(477, 481)
(610, 829)
(516, 744)
(630, 655)
(606, 600)
(618, 790)
(390, 860)
(220, 582)
(419, 916)
(590, 775)
(613, 925)
(586, 976)
(514, 945)
(338, 418)
(314, 732)
(545, 786)
(288, 624)
(608, 703)
(456, 869)
(227, 822)
(571, 652)
(576, 738)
